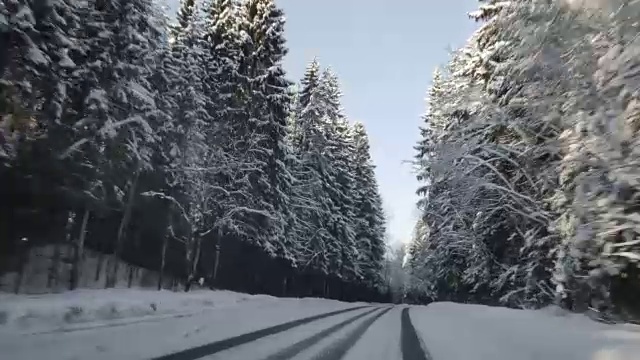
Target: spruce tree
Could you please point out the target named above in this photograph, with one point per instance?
(339, 181)
(312, 201)
(369, 215)
(266, 105)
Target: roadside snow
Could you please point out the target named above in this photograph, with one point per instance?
(215, 315)
(89, 308)
(456, 331)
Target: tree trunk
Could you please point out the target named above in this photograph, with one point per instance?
(135, 249)
(196, 259)
(130, 277)
(79, 252)
(217, 262)
(113, 271)
(53, 269)
(99, 266)
(23, 258)
(165, 243)
(52, 278)
(193, 255)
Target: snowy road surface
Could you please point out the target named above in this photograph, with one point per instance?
(230, 326)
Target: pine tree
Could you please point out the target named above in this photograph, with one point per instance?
(128, 133)
(369, 215)
(266, 105)
(194, 162)
(338, 177)
(222, 86)
(312, 202)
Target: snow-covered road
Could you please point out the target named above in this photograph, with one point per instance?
(262, 332)
(232, 326)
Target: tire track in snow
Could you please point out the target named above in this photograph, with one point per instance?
(338, 349)
(295, 349)
(410, 342)
(215, 347)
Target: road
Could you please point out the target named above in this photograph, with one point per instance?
(267, 328)
(358, 332)
(363, 333)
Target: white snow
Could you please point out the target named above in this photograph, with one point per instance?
(381, 341)
(121, 324)
(272, 346)
(182, 320)
(456, 331)
(94, 308)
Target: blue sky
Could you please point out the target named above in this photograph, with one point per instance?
(384, 52)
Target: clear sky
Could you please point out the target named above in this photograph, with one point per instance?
(384, 52)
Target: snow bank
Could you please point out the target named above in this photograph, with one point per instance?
(456, 331)
(215, 315)
(70, 309)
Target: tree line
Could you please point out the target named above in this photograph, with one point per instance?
(182, 146)
(529, 161)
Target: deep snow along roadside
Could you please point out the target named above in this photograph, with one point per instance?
(149, 339)
(82, 309)
(459, 331)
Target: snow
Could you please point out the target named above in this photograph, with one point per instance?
(37, 56)
(94, 308)
(80, 324)
(36, 326)
(456, 331)
(4, 22)
(278, 345)
(381, 334)
(142, 93)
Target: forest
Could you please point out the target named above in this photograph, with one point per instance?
(529, 161)
(177, 143)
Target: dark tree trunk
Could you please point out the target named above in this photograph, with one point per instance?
(130, 278)
(55, 263)
(78, 253)
(216, 262)
(112, 274)
(52, 279)
(193, 260)
(165, 243)
(23, 259)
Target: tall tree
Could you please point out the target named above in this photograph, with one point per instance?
(267, 102)
(369, 215)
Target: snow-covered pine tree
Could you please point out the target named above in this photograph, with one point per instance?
(266, 107)
(35, 73)
(126, 130)
(338, 178)
(222, 88)
(435, 272)
(35, 79)
(369, 215)
(193, 161)
(309, 197)
(597, 196)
